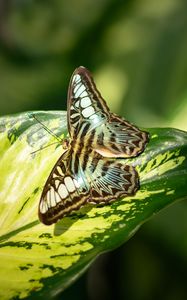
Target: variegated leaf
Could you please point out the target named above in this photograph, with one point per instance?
(38, 261)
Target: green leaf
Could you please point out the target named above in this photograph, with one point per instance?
(40, 261)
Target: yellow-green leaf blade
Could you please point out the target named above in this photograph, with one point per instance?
(38, 260)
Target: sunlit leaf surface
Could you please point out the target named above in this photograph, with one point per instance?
(39, 261)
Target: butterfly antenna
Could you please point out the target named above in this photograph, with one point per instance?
(46, 128)
(42, 148)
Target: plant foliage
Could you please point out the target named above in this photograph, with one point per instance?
(40, 261)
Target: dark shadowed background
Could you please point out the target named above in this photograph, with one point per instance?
(137, 53)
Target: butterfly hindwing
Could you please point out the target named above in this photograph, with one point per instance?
(103, 181)
(119, 138)
(109, 179)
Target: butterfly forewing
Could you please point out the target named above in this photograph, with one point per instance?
(85, 103)
(63, 192)
(85, 172)
(116, 137)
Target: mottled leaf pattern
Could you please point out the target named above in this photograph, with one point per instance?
(38, 261)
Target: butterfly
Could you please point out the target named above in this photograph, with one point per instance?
(87, 171)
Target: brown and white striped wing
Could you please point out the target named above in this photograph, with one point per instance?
(84, 173)
(88, 112)
(85, 103)
(109, 180)
(102, 181)
(119, 138)
(63, 193)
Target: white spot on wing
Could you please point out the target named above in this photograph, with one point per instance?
(48, 199)
(60, 171)
(53, 201)
(77, 87)
(74, 115)
(57, 182)
(85, 102)
(76, 78)
(87, 112)
(80, 182)
(76, 183)
(58, 199)
(95, 118)
(62, 191)
(80, 91)
(69, 184)
(77, 104)
(43, 207)
(84, 94)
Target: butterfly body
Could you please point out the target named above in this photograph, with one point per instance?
(87, 171)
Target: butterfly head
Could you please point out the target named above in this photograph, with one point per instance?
(65, 144)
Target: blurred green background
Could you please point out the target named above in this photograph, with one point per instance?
(137, 53)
